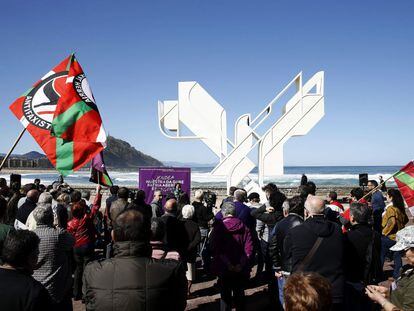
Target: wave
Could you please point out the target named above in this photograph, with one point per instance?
(321, 176)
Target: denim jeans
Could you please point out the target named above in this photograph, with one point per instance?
(386, 244)
(281, 283)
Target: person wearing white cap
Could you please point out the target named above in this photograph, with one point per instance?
(402, 297)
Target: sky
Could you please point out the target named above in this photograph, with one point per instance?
(243, 53)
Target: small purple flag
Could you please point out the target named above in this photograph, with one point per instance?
(99, 175)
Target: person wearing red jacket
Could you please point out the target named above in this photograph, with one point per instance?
(82, 227)
(357, 195)
(333, 200)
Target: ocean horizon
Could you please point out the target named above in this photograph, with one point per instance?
(200, 176)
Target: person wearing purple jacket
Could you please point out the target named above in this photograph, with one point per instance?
(232, 248)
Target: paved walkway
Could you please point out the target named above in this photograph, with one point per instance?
(206, 295)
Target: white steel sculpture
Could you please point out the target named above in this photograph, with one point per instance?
(202, 115)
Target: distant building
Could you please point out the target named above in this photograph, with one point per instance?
(18, 162)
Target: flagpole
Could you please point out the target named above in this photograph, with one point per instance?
(379, 186)
(12, 148)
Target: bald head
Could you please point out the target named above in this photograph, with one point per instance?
(171, 206)
(33, 195)
(314, 205)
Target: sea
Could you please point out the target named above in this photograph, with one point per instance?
(201, 176)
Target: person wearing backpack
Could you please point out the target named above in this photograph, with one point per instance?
(362, 258)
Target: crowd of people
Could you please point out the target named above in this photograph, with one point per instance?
(56, 246)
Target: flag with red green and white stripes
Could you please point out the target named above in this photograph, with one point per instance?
(42, 107)
(76, 117)
(405, 182)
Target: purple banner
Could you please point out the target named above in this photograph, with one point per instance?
(164, 179)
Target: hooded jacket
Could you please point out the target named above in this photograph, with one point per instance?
(232, 245)
(134, 281)
(327, 260)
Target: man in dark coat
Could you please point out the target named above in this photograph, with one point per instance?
(325, 238)
(281, 261)
(134, 280)
(362, 254)
(377, 204)
(269, 213)
(156, 204)
(24, 211)
(120, 204)
(202, 213)
(175, 235)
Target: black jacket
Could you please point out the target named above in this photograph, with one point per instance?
(270, 219)
(24, 211)
(202, 214)
(328, 259)
(21, 292)
(194, 238)
(134, 281)
(12, 207)
(282, 261)
(175, 237)
(143, 208)
(357, 240)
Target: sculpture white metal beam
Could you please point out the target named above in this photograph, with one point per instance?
(206, 119)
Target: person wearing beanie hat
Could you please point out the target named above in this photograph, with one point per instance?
(402, 297)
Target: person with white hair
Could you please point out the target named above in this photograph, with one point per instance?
(53, 268)
(317, 246)
(194, 238)
(45, 199)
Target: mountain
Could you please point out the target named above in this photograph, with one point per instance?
(32, 155)
(120, 154)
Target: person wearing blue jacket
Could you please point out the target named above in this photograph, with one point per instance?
(377, 204)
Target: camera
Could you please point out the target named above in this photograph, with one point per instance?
(210, 198)
(132, 195)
